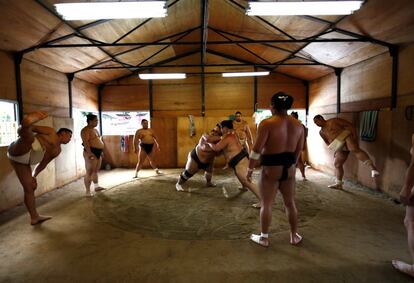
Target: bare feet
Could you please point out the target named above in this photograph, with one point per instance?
(211, 184)
(336, 186)
(98, 189)
(295, 239)
(178, 187)
(33, 117)
(257, 205)
(225, 193)
(89, 194)
(403, 267)
(257, 239)
(135, 177)
(374, 173)
(40, 219)
(242, 189)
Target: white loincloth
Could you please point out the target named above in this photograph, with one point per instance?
(339, 142)
(32, 157)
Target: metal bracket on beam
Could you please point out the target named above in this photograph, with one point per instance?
(18, 58)
(70, 77)
(150, 96)
(338, 72)
(394, 79)
(100, 88)
(306, 83)
(255, 85)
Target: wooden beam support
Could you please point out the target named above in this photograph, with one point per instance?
(338, 72)
(18, 57)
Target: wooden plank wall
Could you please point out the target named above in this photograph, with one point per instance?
(125, 98)
(367, 80)
(166, 132)
(7, 78)
(203, 125)
(174, 100)
(84, 95)
(367, 86)
(44, 89)
(269, 85)
(229, 93)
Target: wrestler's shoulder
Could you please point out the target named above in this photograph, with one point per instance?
(86, 130)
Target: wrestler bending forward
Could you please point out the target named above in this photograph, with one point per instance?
(236, 157)
(35, 145)
(201, 157)
(341, 137)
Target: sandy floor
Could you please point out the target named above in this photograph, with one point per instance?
(144, 231)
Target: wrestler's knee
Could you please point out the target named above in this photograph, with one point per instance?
(244, 181)
(338, 164)
(30, 186)
(267, 202)
(409, 222)
(290, 204)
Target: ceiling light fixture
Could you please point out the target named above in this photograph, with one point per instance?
(111, 10)
(303, 8)
(165, 76)
(245, 74)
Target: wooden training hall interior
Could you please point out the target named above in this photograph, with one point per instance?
(334, 65)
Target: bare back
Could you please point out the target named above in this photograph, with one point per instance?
(280, 133)
(334, 127)
(50, 143)
(204, 152)
(230, 146)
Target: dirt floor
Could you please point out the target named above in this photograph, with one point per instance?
(144, 231)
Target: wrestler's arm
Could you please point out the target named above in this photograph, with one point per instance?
(261, 138)
(324, 137)
(249, 136)
(136, 141)
(305, 131)
(406, 194)
(155, 139)
(42, 165)
(218, 146)
(211, 138)
(299, 146)
(85, 141)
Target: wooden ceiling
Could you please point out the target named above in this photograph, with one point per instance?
(30, 26)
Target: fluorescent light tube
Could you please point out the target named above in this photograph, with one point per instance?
(111, 10)
(303, 8)
(245, 74)
(165, 76)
